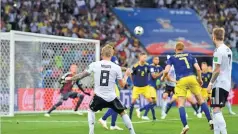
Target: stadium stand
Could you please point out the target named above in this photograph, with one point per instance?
(94, 19)
(78, 19)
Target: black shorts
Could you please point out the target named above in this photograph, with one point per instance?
(97, 103)
(219, 97)
(169, 90)
(73, 95)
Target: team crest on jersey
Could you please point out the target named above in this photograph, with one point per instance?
(146, 69)
(139, 70)
(208, 75)
(215, 59)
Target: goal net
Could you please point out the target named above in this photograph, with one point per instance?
(30, 65)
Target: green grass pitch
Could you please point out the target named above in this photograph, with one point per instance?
(75, 124)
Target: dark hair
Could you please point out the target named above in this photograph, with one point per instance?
(141, 54)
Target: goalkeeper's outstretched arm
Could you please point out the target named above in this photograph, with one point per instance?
(78, 76)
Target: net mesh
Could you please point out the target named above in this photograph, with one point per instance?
(4, 76)
(38, 68)
(39, 62)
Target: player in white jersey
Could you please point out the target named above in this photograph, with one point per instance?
(169, 89)
(105, 74)
(221, 79)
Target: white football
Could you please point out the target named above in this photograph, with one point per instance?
(138, 30)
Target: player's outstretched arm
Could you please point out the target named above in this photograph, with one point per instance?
(215, 73)
(171, 79)
(61, 81)
(78, 76)
(122, 82)
(156, 75)
(217, 60)
(165, 72)
(83, 74)
(62, 78)
(123, 69)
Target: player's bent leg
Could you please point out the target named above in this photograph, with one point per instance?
(127, 122)
(194, 106)
(181, 102)
(102, 120)
(196, 90)
(115, 114)
(219, 122)
(205, 96)
(148, 107)
(182, 113)
(97, 103)
(164, 103)
(81, 97)
(107, 114)
(152, 108)
(205, 109)
(219, 98)
(153, 97)
(135, 95)
(91, 121)
(228, 105)
(120, 109)
(168, 107)
(132, 107)
(113, 122)
(59, 103)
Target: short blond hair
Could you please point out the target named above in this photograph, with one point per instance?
(107, 51)
(219, 33)
(179, 46)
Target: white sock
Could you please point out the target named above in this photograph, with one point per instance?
(164, 104)
(216, 125)
(228, 104)
(219, 123)
(91, 121)
(199, 110)
(128, 123)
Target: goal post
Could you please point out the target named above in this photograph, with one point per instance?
(30, 66)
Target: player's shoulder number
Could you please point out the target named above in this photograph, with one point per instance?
(229, 54)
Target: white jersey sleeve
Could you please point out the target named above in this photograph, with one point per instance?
(119, 74)
(91, 68)
(217, 58)
(223, 57)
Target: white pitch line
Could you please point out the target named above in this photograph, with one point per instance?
(71, 121)
(84, 121)
(62, 121)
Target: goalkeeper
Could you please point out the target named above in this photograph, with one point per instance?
(67, 92)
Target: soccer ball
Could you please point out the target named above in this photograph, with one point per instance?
(138, 30)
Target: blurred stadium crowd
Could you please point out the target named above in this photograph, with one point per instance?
(94, 19)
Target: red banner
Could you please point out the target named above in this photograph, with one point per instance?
(42, 99)
(233, 97)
